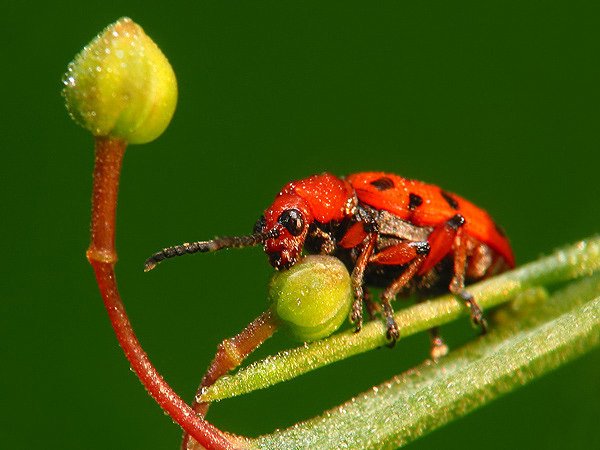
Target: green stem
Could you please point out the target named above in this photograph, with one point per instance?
(573, 262)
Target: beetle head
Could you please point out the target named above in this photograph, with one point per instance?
(288, 219)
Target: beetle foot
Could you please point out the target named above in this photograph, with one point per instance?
(476, 312)
(438, 348)
(483, 325)
(392, 331)
(357, 319)
(477, 318)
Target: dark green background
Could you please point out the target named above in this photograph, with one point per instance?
(497, 101)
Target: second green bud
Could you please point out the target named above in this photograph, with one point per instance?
(313, 298)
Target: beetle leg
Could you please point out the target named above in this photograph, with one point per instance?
(441, 241)
(364, 231)
(407, 252)
(354, 236)
(372, 307)
(480, 261)
(401, 253)
(438, 347)
(460, 247)
(449, 237)
(392, 290)
(357, 279)
(476, 311)
(325, 244)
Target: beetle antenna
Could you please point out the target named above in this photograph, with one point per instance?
(210, 246)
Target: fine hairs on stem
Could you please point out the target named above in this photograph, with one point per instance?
(102, 256)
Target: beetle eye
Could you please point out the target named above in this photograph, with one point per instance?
(292, 220)
(259, 225)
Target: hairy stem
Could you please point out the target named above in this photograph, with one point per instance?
(230, 354)
(580, 259)
(102, 256)
(523, 347)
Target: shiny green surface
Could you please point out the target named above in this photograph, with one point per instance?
(496, 102)
(312, 299)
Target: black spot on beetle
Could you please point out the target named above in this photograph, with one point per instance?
(451, 201)
(414, 201)
(456, 221)
(383, 183)
(422, 248)
(370, 226)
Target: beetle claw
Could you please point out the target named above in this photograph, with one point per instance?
(482, 323)
(392, 332)
(358, 320)
(476, 312)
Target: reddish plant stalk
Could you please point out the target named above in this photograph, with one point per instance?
(230, 354)
(102, 255)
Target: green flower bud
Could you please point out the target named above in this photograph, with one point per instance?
(313, 298)
(121, 85)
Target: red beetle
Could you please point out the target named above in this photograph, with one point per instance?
(401, 234)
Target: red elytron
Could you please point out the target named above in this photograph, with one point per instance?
(401, 234)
